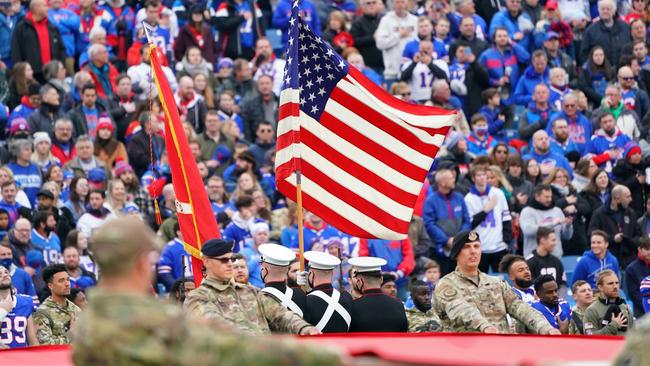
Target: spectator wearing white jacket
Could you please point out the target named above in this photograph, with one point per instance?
(395, 29)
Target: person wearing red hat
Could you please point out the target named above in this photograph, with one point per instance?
(630, 172)
(107, 148)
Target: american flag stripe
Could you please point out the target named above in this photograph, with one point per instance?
(362, 154)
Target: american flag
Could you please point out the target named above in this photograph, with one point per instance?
(363, 155)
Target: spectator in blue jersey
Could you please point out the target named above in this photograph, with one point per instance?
(22, 281)
(315, 232)
(261, 234)
(579, 125)
(479, 141)
(559, 87)
(608, 143)
(561, 144)
(238, 27)
(502, 62)
(465, 9)
(493, 112)
(441, 39)
(68, 24)
(79, 277)
(635, 272)
(520, 277)
(44, 237)
(16, 323)
(282, 14)
(632, 96)
(242, 221)
(595, 260)
(626, 118)
(118, 18)
(444, 215)
(174, 263)
(545, 157)
(26, 173)
(555, 309)
(15, 210)
(536, 73)
(536, 115)
(517, 23)
(399, 258)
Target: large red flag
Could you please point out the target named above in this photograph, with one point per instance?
(195, 218)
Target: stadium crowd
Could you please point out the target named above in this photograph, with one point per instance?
(547, 161)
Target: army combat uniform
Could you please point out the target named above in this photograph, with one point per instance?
(422, 322)
(127, 329)
(53, 321)
(577, 324)
(597, 320)
(466, 304)
(243, 307)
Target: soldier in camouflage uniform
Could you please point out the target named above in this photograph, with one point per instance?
(123, 325)
(468, 300)
(56, 315)
(422, 317)
(584, 296)
(242, 306)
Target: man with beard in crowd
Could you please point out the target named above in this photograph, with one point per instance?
(44, 238)
(96, 214)
(79, 277)
(17, 309)
(609, 314)
(519, 273)
(422, 317)
(554, 309)
(240, 269)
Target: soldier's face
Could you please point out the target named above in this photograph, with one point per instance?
(470, 256)
(60, 284)
(219, 267)
(422, 297)
(584, 295)
(609, 287)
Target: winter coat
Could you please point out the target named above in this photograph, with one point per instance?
(496, 63)
(186, 39)
(443, 217)
(611, 39)
(533, 119)
(390, 43)
(578, 242)
(622, 221)
(626, 174)
(526, 85)
(512, 25)
(25, 46)
(634, 274)
(363, 30)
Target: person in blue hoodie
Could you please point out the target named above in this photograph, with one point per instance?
(308, 15)
(595, 260)
(479, 141)
(502, 62)
(68, 24)
(399, 259)
(545, 157)
(556, 310)
(9, 17)
(536, 73)
(445, 214)
(608, 143)
(516, 22)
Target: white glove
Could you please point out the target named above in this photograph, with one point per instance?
(301, 278)
(458, 87)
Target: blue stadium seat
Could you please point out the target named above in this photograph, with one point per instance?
(569, 262)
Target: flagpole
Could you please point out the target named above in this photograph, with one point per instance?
(301, 237)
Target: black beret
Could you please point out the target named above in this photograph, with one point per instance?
(462, 238)
(216, 247)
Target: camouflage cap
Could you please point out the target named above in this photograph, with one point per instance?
(119, 242)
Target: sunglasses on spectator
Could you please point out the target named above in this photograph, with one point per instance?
(224, 260)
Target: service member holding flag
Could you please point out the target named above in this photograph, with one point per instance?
(276, 260)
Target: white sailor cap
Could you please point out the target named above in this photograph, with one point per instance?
(321, 260)
(367, 264)
(276, 254)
